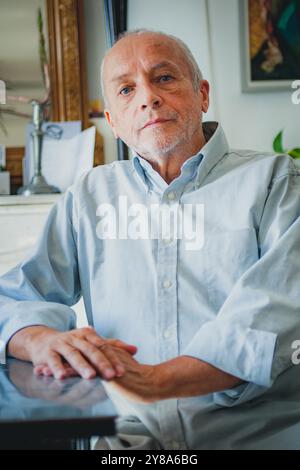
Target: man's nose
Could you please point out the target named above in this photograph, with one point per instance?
(149, 98)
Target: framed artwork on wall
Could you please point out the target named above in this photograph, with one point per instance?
(270, 44)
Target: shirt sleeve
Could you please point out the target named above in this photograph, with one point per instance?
(41, 289)
(252, 335)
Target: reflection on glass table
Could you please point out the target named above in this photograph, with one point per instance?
(41, 412)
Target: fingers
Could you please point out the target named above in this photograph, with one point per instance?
(75, 359)
(120, 344)
(103, 358)
(98, 341)
(82, 352)
(43, 369)
(117, 364)
(54, 367)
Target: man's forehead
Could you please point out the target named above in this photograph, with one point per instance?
(148, 41)
(153, 50)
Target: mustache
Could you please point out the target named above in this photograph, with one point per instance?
(171, 116)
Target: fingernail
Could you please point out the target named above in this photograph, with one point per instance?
(88, 373)
(120, 370)
(109, 373)
(59, 374)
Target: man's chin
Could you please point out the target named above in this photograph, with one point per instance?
(160, 148)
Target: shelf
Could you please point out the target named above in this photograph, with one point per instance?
(29, 200)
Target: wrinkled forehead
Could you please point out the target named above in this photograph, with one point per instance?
(145, 50)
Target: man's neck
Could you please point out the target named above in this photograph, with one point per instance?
(168, 165)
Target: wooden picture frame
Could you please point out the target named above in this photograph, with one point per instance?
(68, 77)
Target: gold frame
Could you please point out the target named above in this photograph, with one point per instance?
(68, 76)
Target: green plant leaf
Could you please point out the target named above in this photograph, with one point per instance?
(295, 153)
(277, 143)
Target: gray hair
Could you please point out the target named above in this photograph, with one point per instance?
(195, 71)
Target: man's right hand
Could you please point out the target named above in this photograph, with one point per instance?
(62, 354)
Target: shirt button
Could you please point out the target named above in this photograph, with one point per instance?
(171, 196)
(167, 334)
(167, 284)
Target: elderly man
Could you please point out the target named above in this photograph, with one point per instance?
(207, 318)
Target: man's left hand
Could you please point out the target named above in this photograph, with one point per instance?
(139, 383)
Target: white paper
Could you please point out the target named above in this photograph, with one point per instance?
(65, 160)
(68, 128)
(4, 182)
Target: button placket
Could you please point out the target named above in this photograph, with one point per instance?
(172, 433)
(167, 326)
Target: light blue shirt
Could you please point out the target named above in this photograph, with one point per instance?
(234, 302)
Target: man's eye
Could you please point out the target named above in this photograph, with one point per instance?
(165, 78)
(125, 90)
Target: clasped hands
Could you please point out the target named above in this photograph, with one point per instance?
(83, 352)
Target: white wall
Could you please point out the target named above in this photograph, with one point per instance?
(186, 19)
(19, 63)
(250, 120)
(96, 44)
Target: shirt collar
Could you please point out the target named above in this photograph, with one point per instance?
(196, 167)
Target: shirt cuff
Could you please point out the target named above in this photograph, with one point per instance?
(242, 352)
(238, 395)
(31, 313)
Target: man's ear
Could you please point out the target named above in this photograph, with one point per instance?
(204, 90)
(110, 122)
